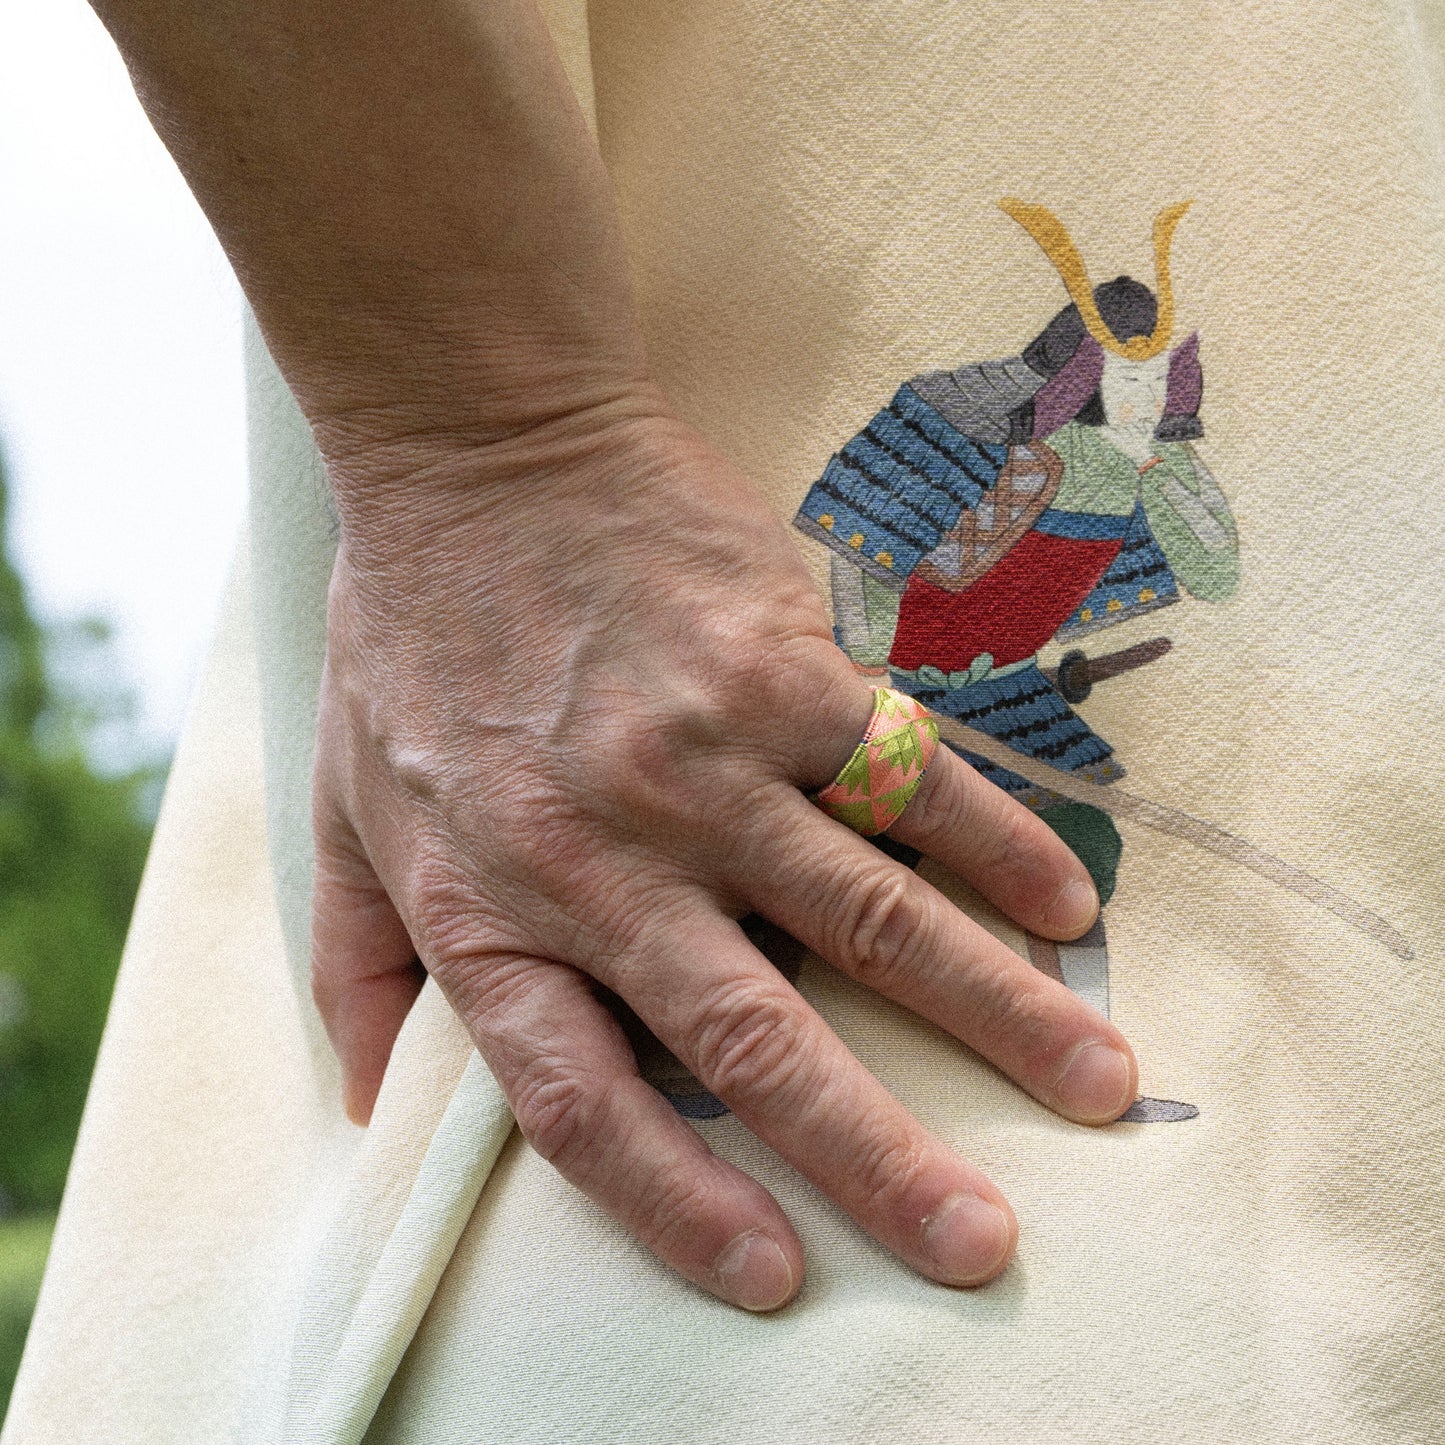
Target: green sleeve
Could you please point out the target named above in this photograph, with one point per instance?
(882, 606)
(865, 613)
(1192, 523)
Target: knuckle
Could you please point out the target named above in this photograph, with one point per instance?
(1005, 833)
(883, 930)
(443, 908)
(781, 695)
(743, 688)
(652, 769)
(464, 941)
(1014, 1012)
(669, 1208)
(556, 1110)
(889, 1171)
(746, 1040)
(634, 757)
(786, 678)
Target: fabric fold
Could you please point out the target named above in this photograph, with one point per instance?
(439, 1125)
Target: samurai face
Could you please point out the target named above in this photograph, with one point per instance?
(1134, 393)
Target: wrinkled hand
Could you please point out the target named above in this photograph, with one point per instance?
(576, 688)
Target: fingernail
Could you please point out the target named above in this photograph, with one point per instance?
(1097, 1083)
(967, 1238)
(753, 1272)
(1076, 906)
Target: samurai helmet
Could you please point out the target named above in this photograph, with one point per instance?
(1049, 232)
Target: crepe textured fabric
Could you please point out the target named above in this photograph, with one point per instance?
(810, 194)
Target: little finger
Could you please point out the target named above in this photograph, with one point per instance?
(999, 846)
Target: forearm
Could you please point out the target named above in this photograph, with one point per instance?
(411, 199)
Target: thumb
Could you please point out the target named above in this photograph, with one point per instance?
(365, 974)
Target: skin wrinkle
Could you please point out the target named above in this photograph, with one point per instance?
(744, 1041)
(555, 1103)
(672, 1208)
(885, 1169)
(880, 929)
(1014, 1008)
(1013, 1013)
(891, 1174)
(382, 456)
(972, 830)
(669, 1212)
(1001, 849)
(514, 1011)
(455, 932)
(969, 968)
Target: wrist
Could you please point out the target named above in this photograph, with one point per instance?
(458, 365)
(401, 493)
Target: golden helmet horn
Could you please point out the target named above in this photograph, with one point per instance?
(1049, 232)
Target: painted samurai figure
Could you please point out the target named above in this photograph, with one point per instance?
(989, 510)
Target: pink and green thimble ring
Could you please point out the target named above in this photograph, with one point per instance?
(878, 782)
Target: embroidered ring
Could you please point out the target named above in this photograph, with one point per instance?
(878, 782)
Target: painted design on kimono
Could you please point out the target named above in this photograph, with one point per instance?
(991, 509)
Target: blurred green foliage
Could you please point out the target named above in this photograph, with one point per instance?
(76, 808)
(24, 1243)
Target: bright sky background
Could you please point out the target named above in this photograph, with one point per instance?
(121, 404)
